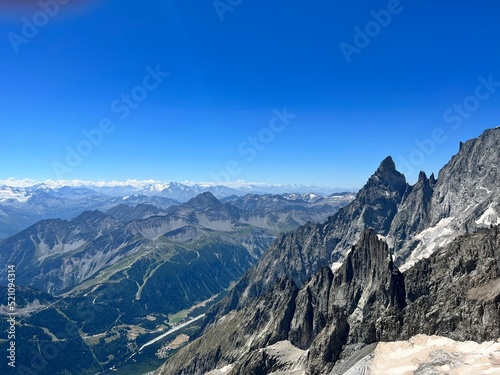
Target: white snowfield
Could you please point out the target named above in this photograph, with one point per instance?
(443, 233)
(430, 355)
(431, 239)
(490, 217)
(421, 354)
(222, 371)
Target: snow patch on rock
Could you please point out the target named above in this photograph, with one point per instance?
(431, 239)
(430, 355)
(489, 217)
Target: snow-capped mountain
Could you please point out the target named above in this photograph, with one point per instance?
(317, 301)
(24, 202)
(86, 248)
(9, 193)
(21, 207)
(22, 190)
(135, 265)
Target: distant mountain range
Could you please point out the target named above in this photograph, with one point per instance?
(55, 254)
(292, 283)
(22, 190)
(23, 203)
(138, 262)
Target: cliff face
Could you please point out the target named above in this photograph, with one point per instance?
(352, 296)
(414, 220)
(265, 322)
(375, 207)
(300, 254)
(413, 216)
(455, 293)
(465, 198)
(366, 300)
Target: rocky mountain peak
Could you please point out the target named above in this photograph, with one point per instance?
(333, 320)
(432, 180)
(369, 269)
(450, 285)
(422, 177)
(204, 200)
(477, 158)
(369, 255)
(464, 197)
(387, 165)
(387, 176)
(423, 183)
(375, 206)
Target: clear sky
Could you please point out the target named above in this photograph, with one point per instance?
(284, 91)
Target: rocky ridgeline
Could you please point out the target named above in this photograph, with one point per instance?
(415, 220)
(454, 293)
(452, 288)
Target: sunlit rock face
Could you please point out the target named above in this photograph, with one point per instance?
(337, 319)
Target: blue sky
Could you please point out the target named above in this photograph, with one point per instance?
(314, 92)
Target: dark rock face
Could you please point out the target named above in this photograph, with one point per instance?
(374, 207)
(313, 312)
(318, 317)
(265, 322)
(454, 293)
(257, 363)
(470, 177)
(414, 220)
(366, 297)
(300, 254)
(465, 198)
(297, 255)
(414, 214)
(457, 293)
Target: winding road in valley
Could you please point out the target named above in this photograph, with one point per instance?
(176, 328)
